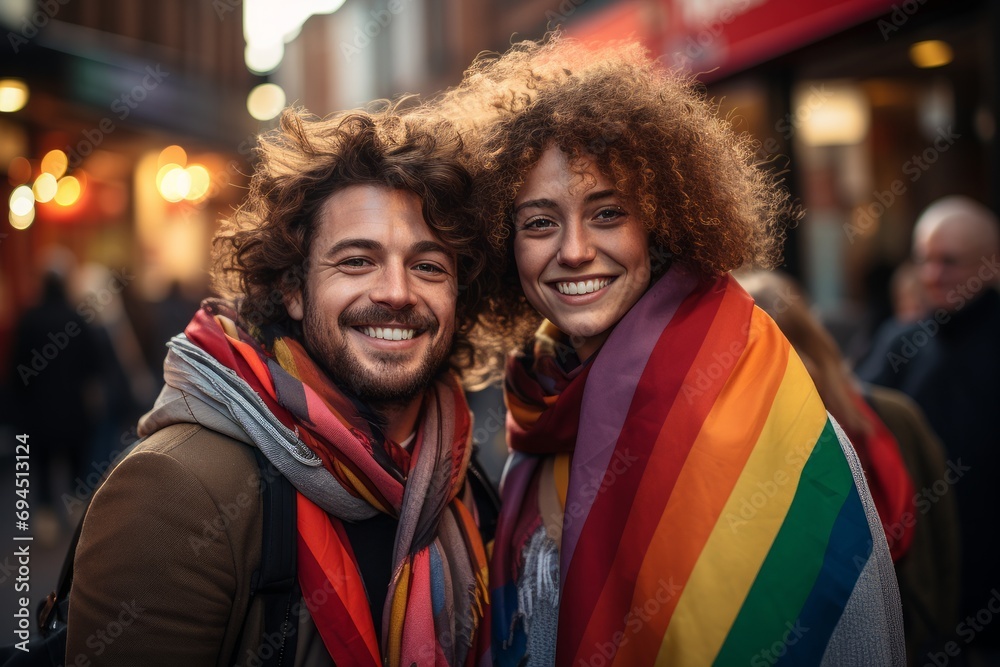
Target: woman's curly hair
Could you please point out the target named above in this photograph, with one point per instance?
(694, 182)
(262, 251)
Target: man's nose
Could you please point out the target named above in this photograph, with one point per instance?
(393, 288)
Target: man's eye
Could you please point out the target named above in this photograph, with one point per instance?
(427, 267)
(354, 262)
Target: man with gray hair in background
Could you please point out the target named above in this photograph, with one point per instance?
(949, 363)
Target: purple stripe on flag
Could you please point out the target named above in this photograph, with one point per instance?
(608, 395)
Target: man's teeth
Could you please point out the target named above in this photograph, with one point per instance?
(583, 287)
(387, 333)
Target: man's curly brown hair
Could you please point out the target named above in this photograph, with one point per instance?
(693, 181)
(262, 251)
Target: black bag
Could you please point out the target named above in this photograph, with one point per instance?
(275, 583)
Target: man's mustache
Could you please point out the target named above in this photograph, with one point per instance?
(375, 315)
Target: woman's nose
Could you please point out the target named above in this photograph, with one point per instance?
(577, 247)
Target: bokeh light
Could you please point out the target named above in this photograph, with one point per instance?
(13, 95)
(200, 182)
(55, 163)
(22, 200)
(264, 59)
(45, 188)
(21, 222)
(266, 101)
(69, 191)
(173, 182)
(172, 155)
(931, 53)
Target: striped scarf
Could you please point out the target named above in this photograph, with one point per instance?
(437, 598)
(684, 499)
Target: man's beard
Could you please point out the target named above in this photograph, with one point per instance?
(387, 383)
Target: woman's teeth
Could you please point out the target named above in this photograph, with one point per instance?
(388, 333)
(583, 287)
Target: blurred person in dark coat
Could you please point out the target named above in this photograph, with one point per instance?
(949, 363)
(55, 384)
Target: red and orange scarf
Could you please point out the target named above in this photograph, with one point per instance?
(437, 599)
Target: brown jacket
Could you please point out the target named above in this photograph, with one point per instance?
(162, 572)
(928, 573)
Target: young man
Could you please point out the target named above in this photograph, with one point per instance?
(351, 265)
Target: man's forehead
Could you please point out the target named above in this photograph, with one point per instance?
(954, 235)
(382, 215)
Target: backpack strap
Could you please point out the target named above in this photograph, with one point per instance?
(486, 497)
(276, 581)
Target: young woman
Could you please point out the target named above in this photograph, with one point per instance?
(677, 493)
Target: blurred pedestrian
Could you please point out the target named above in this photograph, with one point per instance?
(128, 387)
(55, 375)
(949, 363)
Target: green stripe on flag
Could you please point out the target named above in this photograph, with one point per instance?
(793, 563)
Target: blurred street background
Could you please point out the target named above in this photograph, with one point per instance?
(127, 131)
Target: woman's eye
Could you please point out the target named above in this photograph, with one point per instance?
(538, 223)
(611, 213)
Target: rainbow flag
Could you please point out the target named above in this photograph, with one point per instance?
(710, 513)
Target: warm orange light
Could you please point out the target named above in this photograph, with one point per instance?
(200, 182)
(931, 53)
(69, 191)
(55, 163)
(172, 155)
